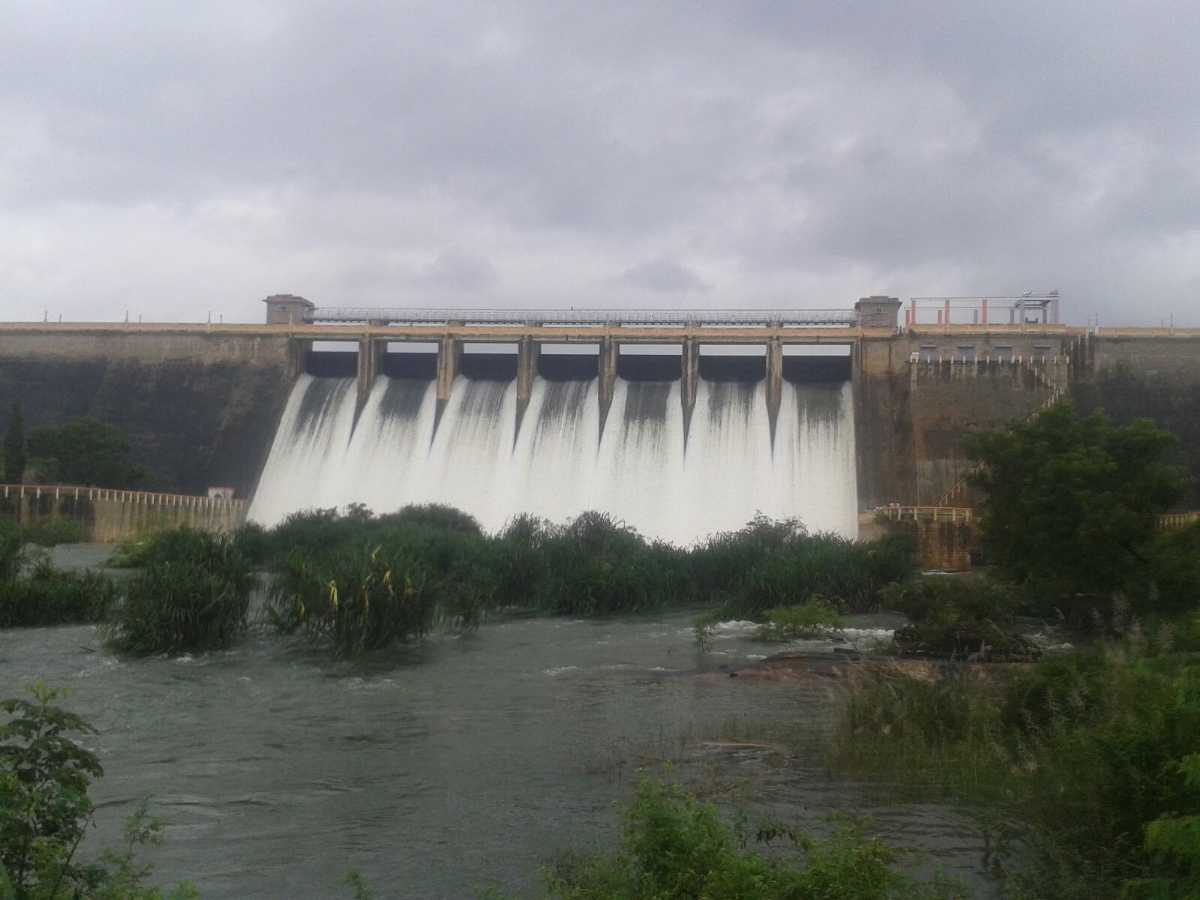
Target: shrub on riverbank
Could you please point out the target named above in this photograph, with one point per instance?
(812, 620)
(192, 594)
(675, 848)
(355, 601)
(784, 567)
(50, 597)
(958, 617)
(45, 811)
(1087, 761)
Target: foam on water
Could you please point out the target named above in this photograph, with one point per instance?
(559, 461)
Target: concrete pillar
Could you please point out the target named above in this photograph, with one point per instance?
(527, 357)
(607, 368)
(689, 367)
(370, 364)
(774, 382)
(298, 351)
(449, 356)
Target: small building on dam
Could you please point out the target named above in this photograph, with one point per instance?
(681, 422)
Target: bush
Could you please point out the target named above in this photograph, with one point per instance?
(50, 597)
(356, 601)
(814, 619)
(1084, 761)
(193, 594)
(10, 551)
(958, 617)
(45, 811)
(676, 848)
(52, 532)
(793, 568)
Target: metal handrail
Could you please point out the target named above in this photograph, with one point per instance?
(148, 498)
(531, 316)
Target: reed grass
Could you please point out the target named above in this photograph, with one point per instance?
(193, 594)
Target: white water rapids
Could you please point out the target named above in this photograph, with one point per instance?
(559, 464)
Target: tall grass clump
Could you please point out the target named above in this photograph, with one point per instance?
(674, 847)
(355, 601)
(1086, 764)
(812, 620)
(770, 565)
(597, 565)
(192, 594)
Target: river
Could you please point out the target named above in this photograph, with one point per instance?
(435, 769)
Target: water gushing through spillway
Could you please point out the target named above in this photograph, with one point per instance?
(640, 467)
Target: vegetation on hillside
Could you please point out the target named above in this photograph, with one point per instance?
(83, 451)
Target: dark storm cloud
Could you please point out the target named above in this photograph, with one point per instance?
(177, 160)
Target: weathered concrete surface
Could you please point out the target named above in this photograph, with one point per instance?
(201, 403)
(1151, 376)
(200, 407)
(111, 516)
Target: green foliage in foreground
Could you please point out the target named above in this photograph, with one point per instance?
(193, 594)
(812, 620)
(1071, 504)
(1088, 762)
(676, 848)
(45, 812)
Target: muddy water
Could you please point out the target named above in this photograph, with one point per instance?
(436, 769)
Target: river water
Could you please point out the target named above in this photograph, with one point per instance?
(436, 769)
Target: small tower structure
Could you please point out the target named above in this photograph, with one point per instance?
(287, 309)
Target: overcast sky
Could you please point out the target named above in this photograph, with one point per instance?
(172, 159)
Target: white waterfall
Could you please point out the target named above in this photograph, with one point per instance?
(560, 462)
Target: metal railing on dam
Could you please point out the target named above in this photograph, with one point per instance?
(539, 317)
(111, 514)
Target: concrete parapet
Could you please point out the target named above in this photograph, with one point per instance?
(109, 516)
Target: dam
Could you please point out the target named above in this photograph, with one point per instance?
(681, 423)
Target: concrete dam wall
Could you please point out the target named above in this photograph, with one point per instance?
(420, 413)
(200, 405)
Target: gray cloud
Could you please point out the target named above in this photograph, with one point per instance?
(663, 276)
(179, 160)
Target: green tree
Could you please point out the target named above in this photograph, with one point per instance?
(85, 451)
(1071, 503)
(14, 447)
